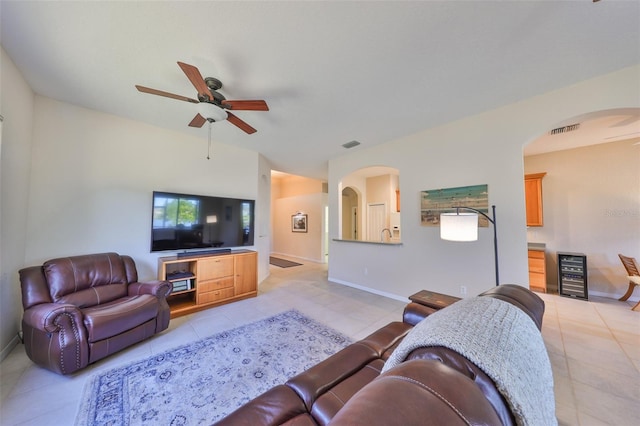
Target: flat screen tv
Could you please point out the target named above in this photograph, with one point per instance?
(187, 221)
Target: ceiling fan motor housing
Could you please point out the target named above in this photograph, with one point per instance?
(214, 85)
(218, 98)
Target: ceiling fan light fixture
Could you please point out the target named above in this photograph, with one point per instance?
(211, 112)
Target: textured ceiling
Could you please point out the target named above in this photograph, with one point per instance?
(331, 72)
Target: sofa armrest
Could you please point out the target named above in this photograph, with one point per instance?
(315, 381)
(418, 392)
(276, 406)
(424, 303)
(160, 289)
(432, 299)
(465, 367)
(46, 316)
(530, 303)
(415, 312)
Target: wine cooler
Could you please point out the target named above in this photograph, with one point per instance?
(572, 275)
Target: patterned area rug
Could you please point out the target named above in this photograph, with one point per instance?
(204, 381)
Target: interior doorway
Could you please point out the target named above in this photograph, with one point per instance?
(291, 196)
(350, 202)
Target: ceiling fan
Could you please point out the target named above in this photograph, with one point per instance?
(211, 105)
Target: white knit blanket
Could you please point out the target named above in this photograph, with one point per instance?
(503, 342)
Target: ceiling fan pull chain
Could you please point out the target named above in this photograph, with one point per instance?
(209, 148)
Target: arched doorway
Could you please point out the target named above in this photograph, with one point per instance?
(350, 214)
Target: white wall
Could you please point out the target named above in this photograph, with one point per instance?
(263, 238)
(16, 106)
(591, 200)
(483, 149)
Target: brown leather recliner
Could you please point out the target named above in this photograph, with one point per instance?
(80, 309)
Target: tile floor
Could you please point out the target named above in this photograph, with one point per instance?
(594, 348)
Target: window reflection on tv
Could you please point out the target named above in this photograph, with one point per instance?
(186, 221)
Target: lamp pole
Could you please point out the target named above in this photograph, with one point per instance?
(495, 234)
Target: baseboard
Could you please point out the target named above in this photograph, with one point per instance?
(370, 290)
(7, 349)
(632, 299)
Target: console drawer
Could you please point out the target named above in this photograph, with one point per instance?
(213, 296)
(215, 267)
(206, 286)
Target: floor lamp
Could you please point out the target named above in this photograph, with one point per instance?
(464, 227)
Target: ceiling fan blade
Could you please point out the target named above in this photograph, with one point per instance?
(165, 94)
(198, 121)
(196, 79)
(254, 105)
(240, 124)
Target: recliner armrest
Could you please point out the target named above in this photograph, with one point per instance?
(55, 337)
(160, 289)
(45, 317)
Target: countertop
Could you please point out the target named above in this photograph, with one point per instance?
(536, 246)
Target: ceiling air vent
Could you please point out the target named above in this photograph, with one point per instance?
(350, 144)
(565, 129)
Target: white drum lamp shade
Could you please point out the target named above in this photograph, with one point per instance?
(464, 227)
(459, 226)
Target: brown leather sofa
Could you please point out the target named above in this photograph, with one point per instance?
(80, 309)
(433, 386)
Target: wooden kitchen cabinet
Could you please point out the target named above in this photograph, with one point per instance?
(533, 198)
(537, 271)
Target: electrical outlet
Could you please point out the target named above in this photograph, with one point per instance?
(463, 290)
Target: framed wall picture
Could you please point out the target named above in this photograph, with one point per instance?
(299, 223)
(434, 202)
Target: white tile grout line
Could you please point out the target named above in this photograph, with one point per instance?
(615, 338)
